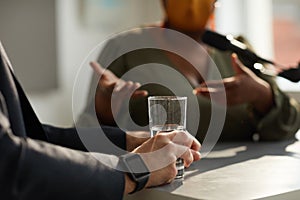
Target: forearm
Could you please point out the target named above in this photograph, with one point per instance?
(283, 120)
(37, 170)
(74, 137)
(264, 98)
(129, 185)
(66, 137)
(103, 108)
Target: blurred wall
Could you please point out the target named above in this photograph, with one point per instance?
(75, 39)
(28, 34)
(250, 18)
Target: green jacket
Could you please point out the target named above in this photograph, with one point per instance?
(241, 121)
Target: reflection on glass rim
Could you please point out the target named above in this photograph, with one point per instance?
(166, 97)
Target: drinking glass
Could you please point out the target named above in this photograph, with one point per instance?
(168, 113)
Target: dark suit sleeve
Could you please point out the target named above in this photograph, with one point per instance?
(31, 169)
(68, 137)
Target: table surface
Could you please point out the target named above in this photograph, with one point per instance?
(238, 171)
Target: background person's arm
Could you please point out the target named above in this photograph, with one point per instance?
(283, 120)
(277, 121)
(111, 92)
(70, 138)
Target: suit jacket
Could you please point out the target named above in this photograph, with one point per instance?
(33, 168)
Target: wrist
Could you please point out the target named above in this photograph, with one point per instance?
(137, 173)
(130, 185)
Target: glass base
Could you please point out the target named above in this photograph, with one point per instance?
(180, 168)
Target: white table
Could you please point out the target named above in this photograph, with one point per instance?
(238, 171)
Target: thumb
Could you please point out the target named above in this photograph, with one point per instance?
(97, 68)
(236, 64)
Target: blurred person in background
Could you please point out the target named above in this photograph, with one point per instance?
(255, 104)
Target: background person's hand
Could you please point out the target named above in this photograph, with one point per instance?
(244, 87)
(111, 92)
(165, 148)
